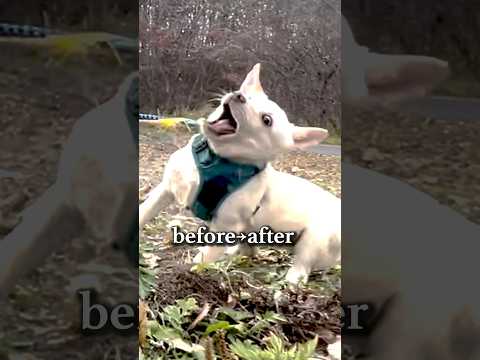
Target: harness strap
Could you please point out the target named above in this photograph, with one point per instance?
(219, 178)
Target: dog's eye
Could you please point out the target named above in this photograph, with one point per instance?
(267, 120)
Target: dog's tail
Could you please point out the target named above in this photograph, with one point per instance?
(156, 200)
(44, 226)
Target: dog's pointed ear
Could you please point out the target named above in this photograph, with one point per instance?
(402, 76)
(304, 137)
(252, 84)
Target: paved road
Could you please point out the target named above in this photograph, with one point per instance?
(7, 174)
(334, 150)
(444, 108)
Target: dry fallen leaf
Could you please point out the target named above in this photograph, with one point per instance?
(142, 323)
(203, 313)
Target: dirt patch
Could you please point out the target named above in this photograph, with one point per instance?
(306, 312)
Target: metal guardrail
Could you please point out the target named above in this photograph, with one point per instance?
(27, 31)
(147, 116)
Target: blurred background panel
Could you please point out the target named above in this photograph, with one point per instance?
(83, 52)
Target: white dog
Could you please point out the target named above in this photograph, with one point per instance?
(250, 130)
(95, 190)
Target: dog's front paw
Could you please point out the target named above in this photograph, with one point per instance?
(209, 254)
(296, 277)
(198, 259)
(241, 250)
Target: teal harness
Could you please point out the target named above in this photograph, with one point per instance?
(219, 178)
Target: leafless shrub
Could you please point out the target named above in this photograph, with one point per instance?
(192, 50)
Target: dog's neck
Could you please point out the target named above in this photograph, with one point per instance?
(259, 163)
(218, 178)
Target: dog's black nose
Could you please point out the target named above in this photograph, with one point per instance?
(240, 98)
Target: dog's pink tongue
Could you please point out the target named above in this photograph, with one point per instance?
(222, 127)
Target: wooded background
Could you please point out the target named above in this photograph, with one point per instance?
(192, 50)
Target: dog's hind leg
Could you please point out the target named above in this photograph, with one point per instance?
(156, 200)
(315, 249)
(45, 226)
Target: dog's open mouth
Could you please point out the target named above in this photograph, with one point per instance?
(225, 124)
